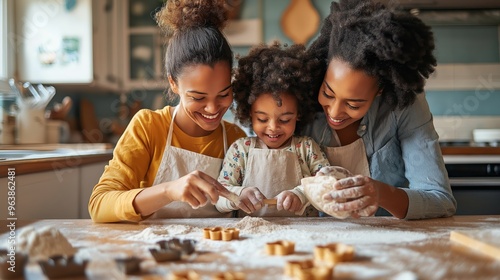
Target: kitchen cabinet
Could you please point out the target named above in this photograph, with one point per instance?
(89, 176)
(62, 43)
(44, 195)
(54, 41)
(108, 51)
(62, 193)
(144, 46)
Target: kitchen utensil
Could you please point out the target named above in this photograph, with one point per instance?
(485, 242)
(300, 21)
(270, 201)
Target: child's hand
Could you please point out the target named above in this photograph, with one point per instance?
(251, 200)
(288, 201)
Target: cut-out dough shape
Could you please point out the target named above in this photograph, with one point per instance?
(220, 233)
(333, 253)
(280, 248)
(184, 275)
(229, 275)
(307, 270)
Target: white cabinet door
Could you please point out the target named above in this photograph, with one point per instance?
(89, 175)
(54, 41)
(44, 195)
(107, 36)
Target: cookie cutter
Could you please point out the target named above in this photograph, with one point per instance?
(184, 275)
(220, 233)
(307, 270)
(12, 264)
(61, 266)
(280, 248)
(172, 250)
(130, 265)
(333, 253)
(186, 246)
(229, 275)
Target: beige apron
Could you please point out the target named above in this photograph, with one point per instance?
(352, 157)
(177, 162)
(271, 171)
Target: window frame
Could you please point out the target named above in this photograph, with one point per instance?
(6, 49)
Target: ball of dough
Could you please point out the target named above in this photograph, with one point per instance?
(316, 187)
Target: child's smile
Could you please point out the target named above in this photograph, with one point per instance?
(274, 124)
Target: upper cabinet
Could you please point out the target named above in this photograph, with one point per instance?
(144, 46)
(108, 50)
(54, 41)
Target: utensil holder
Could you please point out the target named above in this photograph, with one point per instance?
(30, 124)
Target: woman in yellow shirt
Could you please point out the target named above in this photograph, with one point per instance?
(165, 162)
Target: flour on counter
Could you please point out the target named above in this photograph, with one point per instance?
(256, 225)
(43, 243)
(153, 234)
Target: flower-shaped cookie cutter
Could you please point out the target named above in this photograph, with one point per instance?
(12, 264)
(229, 275)
(280, 248)
(333, 253)
(307, 270)
(61, 266)
(220, 233)
(129, 265)
(184, 275)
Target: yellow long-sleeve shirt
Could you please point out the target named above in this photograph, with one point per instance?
(137, 157)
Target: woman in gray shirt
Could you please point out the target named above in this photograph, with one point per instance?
(374, 119)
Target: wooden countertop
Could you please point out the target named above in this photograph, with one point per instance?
(385, 247)
(470, 150)
(67, 156)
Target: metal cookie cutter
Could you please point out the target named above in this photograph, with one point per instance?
(220, 233)
(12, 264)
(130, 265)
(172, 250)
(333, 253)
(60, 266)
(280, 248)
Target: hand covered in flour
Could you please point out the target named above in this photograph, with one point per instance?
(288, 201)
(357, 195)
(251, 200)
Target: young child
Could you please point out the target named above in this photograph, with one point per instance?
(273, 95)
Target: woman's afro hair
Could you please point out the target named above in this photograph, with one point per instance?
(391, 45)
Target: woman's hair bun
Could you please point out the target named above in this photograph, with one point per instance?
(178, 15)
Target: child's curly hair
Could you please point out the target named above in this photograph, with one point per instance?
(195, 27)
(275, 70)
(391, 45)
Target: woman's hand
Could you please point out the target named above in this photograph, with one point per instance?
(195, 188)
(288, 201)
(251, 200)
(358, 195)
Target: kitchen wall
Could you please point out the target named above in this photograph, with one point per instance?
(456, 111)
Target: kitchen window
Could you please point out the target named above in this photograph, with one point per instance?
(6, 49)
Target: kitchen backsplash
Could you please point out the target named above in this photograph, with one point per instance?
(459, 128)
